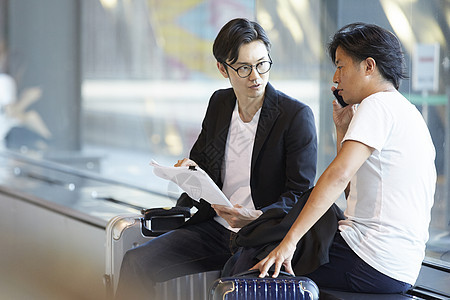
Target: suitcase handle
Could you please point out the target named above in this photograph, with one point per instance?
(308, 286)
(255, 273)
(163, 220)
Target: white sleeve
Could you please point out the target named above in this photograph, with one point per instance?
(371, 123)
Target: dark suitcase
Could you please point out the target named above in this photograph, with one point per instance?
(248, 286)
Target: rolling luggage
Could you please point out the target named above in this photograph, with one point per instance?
(248, 286)
(127, 231)
(123, 232)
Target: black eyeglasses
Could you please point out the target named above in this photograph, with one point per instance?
(245, 70)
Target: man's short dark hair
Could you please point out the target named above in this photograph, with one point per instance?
(233, 35)
(361, 40)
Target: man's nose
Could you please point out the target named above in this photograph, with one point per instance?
(336, 77)
(254, 75)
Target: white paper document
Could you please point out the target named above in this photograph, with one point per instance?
(194, 181)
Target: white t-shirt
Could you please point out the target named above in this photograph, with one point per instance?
(391, 195)
(237, 162)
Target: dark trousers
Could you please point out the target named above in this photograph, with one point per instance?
(188, 250)
(347, 272)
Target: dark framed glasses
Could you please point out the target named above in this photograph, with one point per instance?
(244, 71)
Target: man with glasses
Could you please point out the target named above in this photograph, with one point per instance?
(257, 144)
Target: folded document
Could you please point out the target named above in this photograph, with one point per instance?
(194, 181)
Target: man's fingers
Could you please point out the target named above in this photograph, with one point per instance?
(185, 162)
(178, 164)
(219, 206)
(277, 269)
(181, 162)
(288, 268)
(222, 209)
(265, 268)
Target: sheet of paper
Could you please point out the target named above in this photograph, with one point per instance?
(194, 181)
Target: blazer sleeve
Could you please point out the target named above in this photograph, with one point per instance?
(208, 150)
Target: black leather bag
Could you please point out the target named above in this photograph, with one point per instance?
(157, 221)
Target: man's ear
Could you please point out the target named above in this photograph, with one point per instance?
(370, 65)
(222, 69)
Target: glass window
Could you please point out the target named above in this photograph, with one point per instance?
(119, 83)
(148, 73)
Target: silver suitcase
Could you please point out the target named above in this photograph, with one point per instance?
(127, 231)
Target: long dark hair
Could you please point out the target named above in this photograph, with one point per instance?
(361, 40)
(233, 35)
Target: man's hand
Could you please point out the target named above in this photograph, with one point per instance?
(342, 115)
(185, 162)
(237, 216)
(280, 256)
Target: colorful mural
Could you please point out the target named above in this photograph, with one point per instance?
(186, 29)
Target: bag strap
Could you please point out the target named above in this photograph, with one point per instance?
(165, 212)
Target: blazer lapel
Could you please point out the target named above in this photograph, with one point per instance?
(226, 108)
(269, 114)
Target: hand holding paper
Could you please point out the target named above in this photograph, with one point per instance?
(237, 216)
(194, 181)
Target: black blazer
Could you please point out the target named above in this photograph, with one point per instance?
(284, 152)
(262, 235)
